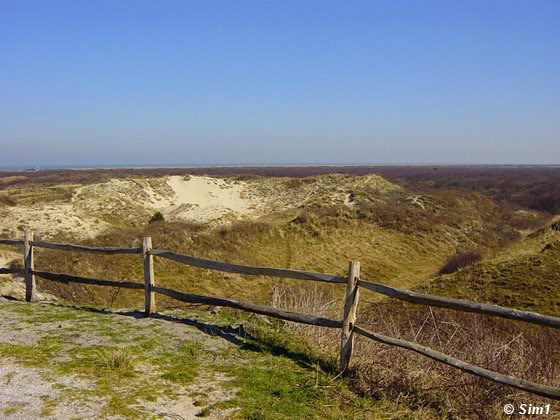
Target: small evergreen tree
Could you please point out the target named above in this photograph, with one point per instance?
(157, 217)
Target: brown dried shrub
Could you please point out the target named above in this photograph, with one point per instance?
(460, 260)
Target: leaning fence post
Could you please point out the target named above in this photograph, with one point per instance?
(28, 266)
(350, 306)
(149, 295)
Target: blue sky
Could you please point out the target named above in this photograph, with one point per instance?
(271, 82)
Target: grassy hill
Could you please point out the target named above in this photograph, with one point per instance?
(316, 223)
(524, 275)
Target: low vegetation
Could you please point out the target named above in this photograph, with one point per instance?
(157, 217)
(184, 364)
(533, 187)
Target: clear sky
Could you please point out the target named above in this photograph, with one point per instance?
(271, 82)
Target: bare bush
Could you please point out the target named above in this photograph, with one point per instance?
(460, 260)
(399, 216)
(6, 200)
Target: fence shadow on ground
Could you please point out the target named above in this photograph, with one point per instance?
(237, 335)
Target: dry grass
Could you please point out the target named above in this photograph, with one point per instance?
(525, 276)
(7, 200)
(393, 374)
(321, 238)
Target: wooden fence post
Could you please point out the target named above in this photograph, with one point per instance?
(350, 306)
(28, 266)
(149, 294)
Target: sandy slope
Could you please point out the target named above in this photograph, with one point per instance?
(49, 220)
(204, 199)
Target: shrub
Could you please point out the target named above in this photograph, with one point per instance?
(397, 215)
(7, 200)
(460, 260)
(157, 217)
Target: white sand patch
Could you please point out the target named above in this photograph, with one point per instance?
(156, 199)
(204, 199)
(24, 392)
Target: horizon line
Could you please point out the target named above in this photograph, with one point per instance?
(35, 167)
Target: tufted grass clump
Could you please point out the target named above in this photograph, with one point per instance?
(118, 359)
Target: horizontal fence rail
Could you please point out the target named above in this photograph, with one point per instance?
(347, 325)
(11, 242)
(83, 248)
(191, 298)
(6, 270)
(250, 307)
(542, 390)
(248, 270)
(461, 305)
(67, 278)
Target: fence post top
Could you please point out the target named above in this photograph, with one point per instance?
(354, 264)
(147, 242)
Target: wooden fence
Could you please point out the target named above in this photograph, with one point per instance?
(347, 324)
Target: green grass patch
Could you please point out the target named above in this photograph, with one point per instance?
(275, 392)
(280, 377)
(13, 409)
(181, 366)
(48, 407)
(41, 314)
(38, 354)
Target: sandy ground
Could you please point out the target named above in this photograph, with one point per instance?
(25, 392)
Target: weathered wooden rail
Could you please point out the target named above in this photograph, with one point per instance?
(347, 324)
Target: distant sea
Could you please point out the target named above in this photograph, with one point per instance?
(215, 165)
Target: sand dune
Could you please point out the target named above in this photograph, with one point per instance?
(87, 210)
